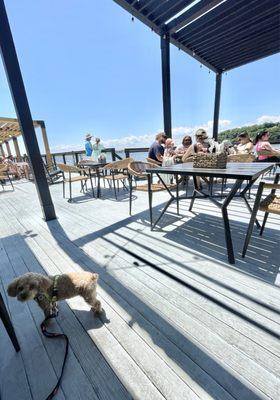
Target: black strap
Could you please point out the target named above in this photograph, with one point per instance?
(55, 335)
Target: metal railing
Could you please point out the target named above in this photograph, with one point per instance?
(74, 157)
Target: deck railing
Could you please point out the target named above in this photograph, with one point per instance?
(74, 157)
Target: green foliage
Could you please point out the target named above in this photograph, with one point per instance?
(253, 130)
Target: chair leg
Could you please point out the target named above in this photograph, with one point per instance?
(93, 195)
(114, 184)
(63, 188)
(4, 316)
(264, 222)
(130, 194)
(70, 191)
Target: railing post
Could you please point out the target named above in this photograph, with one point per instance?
(10, 61)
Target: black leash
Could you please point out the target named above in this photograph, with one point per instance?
(54, 335)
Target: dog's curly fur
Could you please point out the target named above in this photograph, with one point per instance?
(33, 285)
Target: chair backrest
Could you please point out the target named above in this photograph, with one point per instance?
(241, 158)
(68, 168)
(3, 168)
(116, 165)
(139, 168)
(151, 160)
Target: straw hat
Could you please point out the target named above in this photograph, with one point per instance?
(88, 136)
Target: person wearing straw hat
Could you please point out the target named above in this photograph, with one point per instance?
(88, 145)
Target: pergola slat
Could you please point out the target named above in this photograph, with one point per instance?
(190, 15)
(231, 26)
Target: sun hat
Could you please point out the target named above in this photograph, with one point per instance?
(88, 136)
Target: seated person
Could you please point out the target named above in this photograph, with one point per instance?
(262, 144)
(201, 140)
(156, 150)
(169, 148)
(245, 145)
(186, 145)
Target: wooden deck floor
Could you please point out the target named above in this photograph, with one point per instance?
(157, 339)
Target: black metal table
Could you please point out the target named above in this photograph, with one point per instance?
(95, 166)
(240, 172)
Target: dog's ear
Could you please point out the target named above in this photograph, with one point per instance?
(12, 288)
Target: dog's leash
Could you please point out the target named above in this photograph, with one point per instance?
(53, 335)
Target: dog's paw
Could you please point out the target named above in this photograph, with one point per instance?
(97, 307)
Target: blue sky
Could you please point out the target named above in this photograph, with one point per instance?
(88, 68)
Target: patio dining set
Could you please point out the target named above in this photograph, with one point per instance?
(131, 174)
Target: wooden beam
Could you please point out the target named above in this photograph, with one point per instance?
(46, 143)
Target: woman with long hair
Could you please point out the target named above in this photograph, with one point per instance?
(262, 144)
(245, 145)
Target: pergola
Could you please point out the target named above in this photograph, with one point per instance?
(10, 130)
(219, 34)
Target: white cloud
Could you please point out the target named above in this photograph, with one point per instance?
(268, 118)
(145, 140)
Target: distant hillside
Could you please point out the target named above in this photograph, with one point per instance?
(273, 128)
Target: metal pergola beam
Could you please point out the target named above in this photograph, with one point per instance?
(166, 92)
(11, 65)
(217, 105)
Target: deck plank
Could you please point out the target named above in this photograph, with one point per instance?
(154, 331)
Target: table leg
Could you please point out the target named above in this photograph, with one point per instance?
(177, 193)
(150, 177)
(98, 183)
(224, 207)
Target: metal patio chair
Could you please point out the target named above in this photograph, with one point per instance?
(79, 176)
(53, 174)
(270, 204)
(117, 172)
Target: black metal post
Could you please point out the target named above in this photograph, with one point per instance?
(165, 70)
(11, 64)
(217, 105)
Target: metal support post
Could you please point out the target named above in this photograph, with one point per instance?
(166, 97)
(217, 105)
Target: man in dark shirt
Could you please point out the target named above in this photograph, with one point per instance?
(156, 150)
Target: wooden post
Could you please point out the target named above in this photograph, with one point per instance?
(17, 150)
(8, 148)
(2, 152)
(46, 143)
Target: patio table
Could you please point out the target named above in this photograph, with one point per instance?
(240, 172)
(96, 167)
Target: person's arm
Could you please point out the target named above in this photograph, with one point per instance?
(249, 147)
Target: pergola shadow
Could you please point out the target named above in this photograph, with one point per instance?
(198, 364)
